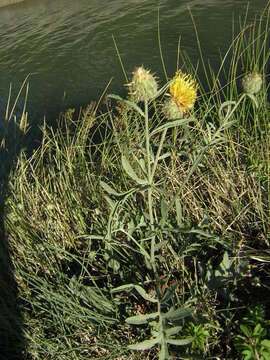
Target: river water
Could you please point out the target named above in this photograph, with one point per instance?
(67, 46)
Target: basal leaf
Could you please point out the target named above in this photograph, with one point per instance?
(145, 345)
(141, 318)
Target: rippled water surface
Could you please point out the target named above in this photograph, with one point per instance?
(67, 45)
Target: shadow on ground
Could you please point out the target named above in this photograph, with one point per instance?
(12, 342)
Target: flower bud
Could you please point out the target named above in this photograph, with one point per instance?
(143, 86)
(252, 83)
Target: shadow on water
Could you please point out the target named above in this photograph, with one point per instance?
(12, 342)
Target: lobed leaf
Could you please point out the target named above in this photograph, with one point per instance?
(173, 331)
(141, 318)
(145, 345)
(178, 314)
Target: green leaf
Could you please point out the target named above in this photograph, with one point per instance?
(266, 343)
(121, 288)
(266, 355)
(164, 212)
(227, 104)
(169, 293)
(108, 189)
(141, 318)
(179, 213)
(246, 330)
(253, 98)
(224, 267)
(96, 237)
(110, 202)
(130, 172)
(173, 331)
(227, 125)
(164, 156)
(144, 294)
(178, 314)
(129, 103)
(247, 354)
(160, 245)
(114, 265)
(179, 342)
(145, 345)
(172, 124)
(201, 232)
(263, 256)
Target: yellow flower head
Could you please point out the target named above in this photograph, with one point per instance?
(183, 90)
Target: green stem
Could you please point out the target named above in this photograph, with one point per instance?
(158, 154)
(149, 178)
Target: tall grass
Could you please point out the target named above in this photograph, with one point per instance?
(87, 252)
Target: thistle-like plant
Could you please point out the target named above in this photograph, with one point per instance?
(166, 319)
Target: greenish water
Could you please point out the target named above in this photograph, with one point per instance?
(67, 45)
